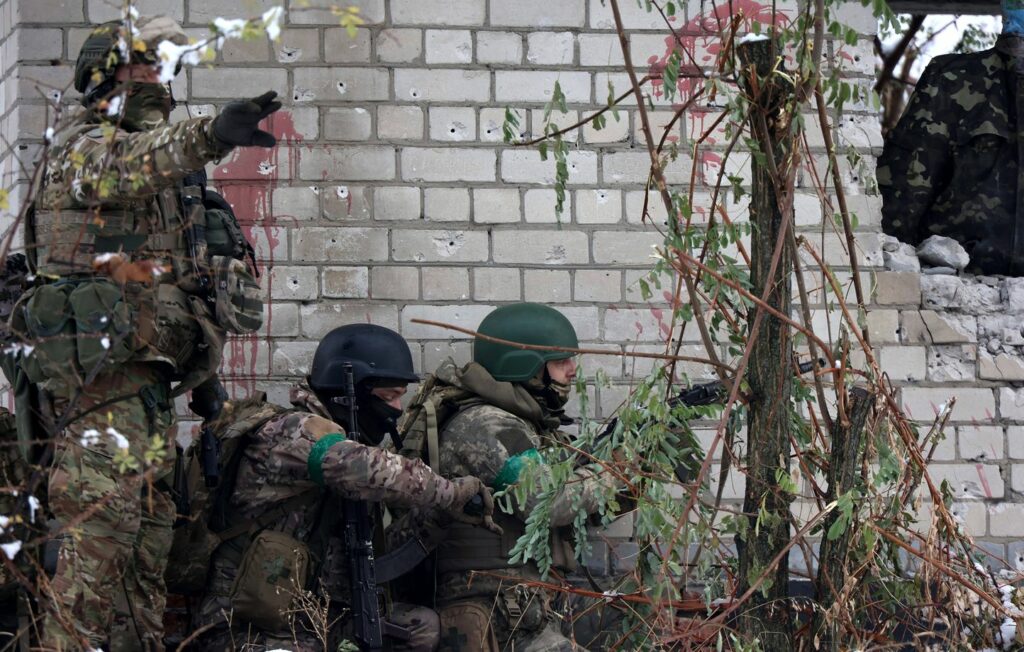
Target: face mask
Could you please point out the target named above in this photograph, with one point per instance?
(147, 107)
(376, 418)
(1013, 17)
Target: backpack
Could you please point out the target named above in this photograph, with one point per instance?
(434, 404)
(200, 533)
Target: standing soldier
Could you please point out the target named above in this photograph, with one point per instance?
(278, 509)
(508, 405)
(129, 300)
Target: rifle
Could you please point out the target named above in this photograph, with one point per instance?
(704, 394)
(207, 401)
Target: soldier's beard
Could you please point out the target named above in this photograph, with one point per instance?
(147, 107)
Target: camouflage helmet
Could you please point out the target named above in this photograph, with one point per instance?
(527, 323)
(104, 50)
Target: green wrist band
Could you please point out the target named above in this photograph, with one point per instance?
(509, 473)
(315, 461)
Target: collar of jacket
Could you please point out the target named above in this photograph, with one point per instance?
(511, 397)
(302, 397)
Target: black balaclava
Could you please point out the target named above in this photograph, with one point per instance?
(375, 417)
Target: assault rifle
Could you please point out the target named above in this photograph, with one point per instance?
(704, 394)
(207, 401)
(368, 626)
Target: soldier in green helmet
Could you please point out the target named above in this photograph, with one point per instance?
(494, 415)
(130, 308)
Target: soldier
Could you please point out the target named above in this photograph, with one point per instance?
(282, 523)
(510, 405)
(952, 166)
(124, 308)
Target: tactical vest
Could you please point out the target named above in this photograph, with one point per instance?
(82, 321)
(467, 547)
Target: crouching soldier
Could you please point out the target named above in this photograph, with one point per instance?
(494, 415)
(280, 577)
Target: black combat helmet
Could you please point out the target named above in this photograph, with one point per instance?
(380, 357)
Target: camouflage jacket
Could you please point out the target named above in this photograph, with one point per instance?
(952, 165)
(489, 437)
(274, 470)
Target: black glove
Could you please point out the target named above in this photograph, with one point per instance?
(236, 123)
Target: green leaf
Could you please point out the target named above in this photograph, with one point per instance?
(838, 527)
(543, 149)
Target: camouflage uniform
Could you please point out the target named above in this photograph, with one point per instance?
(103, 181)
(952, 165)
(273, 473)
(503, 422)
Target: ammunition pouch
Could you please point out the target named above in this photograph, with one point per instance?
(236, 296)
(274, 569)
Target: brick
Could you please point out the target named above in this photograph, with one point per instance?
(585, 321)
(551, 48)
(345, 202)
(322, 317)
(347, 124)
(399, 122)
(298, 46)
(347, 163)
(659, 121)
(955, 362)
(446, 204)
(614, 131)
(537, 86)
(634, 167)
(491, 122)
(634, 16)
(972, 404)
(339, 47)
(1015, 441)
(439, 246)
(496, 284)
(969, 481)
(897, 288)
(37, 44)
(255, 50)
(1006, 520)
(53, 11)
(438, 12)
(346, 282)
(396, 203)
(931, 327)
(232, 83)
(452, 124)
(598, 206)
(540, 207)
(445, 283)
(971, 515)
(293, 358)
(625, 247)
(496, 205)
(600, 50)
(538, 13)
(321, 12)
(295, 283)
(270, 242)
(541, 247)
(339, 244)
(334, 84)
(449, 164)
(101, 11)
(883, 326)
(466, 316)
(1017, 478)
(556, 120)
(547, 286)
(280, 320)
(1002, 367)
(395, 283)
(399, 45)
(636, 324)
(597, 285)
(442, 85)
(295, 203)
(981, 442)
(904, 363)
(525, 166)
(499, 47)
(448, 46)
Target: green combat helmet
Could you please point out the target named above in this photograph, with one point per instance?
(527, 323)
(105, 49)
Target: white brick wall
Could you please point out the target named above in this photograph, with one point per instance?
(392, 196)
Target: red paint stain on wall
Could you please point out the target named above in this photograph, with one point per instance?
(248, 180)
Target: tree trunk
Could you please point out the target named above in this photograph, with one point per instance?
(767, 615)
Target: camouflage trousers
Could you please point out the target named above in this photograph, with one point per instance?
(515, 619)
(420, 622)
(108, 589)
